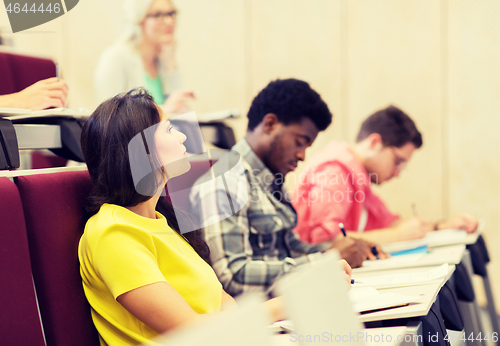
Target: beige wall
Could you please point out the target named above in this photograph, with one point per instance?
(438, 60)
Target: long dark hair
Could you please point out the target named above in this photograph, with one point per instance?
(105, 138)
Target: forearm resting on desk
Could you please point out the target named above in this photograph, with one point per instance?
(463, 221)
(400, 230)
(51, 92)
(273, 306)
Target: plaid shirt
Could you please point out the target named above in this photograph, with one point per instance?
(251, 248)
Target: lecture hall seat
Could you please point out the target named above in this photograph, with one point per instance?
(20, 71)
(185, 182)
(53, 206)
(19, 318)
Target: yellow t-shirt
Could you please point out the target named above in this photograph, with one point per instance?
(120, 251)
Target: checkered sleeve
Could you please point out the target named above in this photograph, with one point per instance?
(232, 257)
(304, 252)
(227, 233)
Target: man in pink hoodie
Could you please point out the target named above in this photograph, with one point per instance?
(337, 182)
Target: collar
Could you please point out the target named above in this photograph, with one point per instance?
(264, 176)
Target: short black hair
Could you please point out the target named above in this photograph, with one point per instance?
(394, 126)
(291, 100)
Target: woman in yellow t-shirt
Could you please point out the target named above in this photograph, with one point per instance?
(140, 275)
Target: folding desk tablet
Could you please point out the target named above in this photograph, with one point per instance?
(316, 301)
(426, 311)
(474, 260)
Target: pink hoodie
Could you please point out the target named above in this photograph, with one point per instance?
(335, 187)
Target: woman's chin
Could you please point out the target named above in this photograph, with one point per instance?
(166, 39)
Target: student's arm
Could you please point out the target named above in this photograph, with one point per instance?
(124, 257)
(51, 92)
(177, 102)
(274, 306)
(416, 228)
(464, 221)
(400, 230)
(228, 302)
(159, 306)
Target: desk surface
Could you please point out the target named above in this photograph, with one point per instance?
(447, 254)
(448, 239)
(428, 292)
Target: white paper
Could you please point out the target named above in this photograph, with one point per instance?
(394, 261)
(368, 298)
(52, 112)
(13, 111)
(445, 235)
(437, 238)
(219, 115)
(403, 279)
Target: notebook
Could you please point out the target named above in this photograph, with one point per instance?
(317, 302)
(368, 299)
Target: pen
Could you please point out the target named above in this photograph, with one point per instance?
(352, 281)
(341, 225)
(373, 249)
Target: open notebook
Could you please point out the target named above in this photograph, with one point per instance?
(436, 256)
(437, 238)
(316, 300)
(402, 279)
(368, 299)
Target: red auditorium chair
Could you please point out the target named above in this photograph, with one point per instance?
(19, 318)
(20, 71)
(54, 211)
(186, 181)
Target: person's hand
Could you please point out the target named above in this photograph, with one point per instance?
(371, 250)
(464, 221)
(177, 102)
(414, 228)
(347, 271)
(349, 250)
(51, 92)
(167, 55)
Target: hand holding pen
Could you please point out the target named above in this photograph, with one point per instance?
(370, 250)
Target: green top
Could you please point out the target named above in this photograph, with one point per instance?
(155, 87)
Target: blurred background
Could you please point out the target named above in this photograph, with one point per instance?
(438, 60)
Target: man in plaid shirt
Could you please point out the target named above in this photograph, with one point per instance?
(250, 238)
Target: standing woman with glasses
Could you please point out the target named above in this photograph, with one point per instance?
(144, 56)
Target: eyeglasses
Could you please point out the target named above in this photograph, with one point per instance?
(399, 162)
(159, 16)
